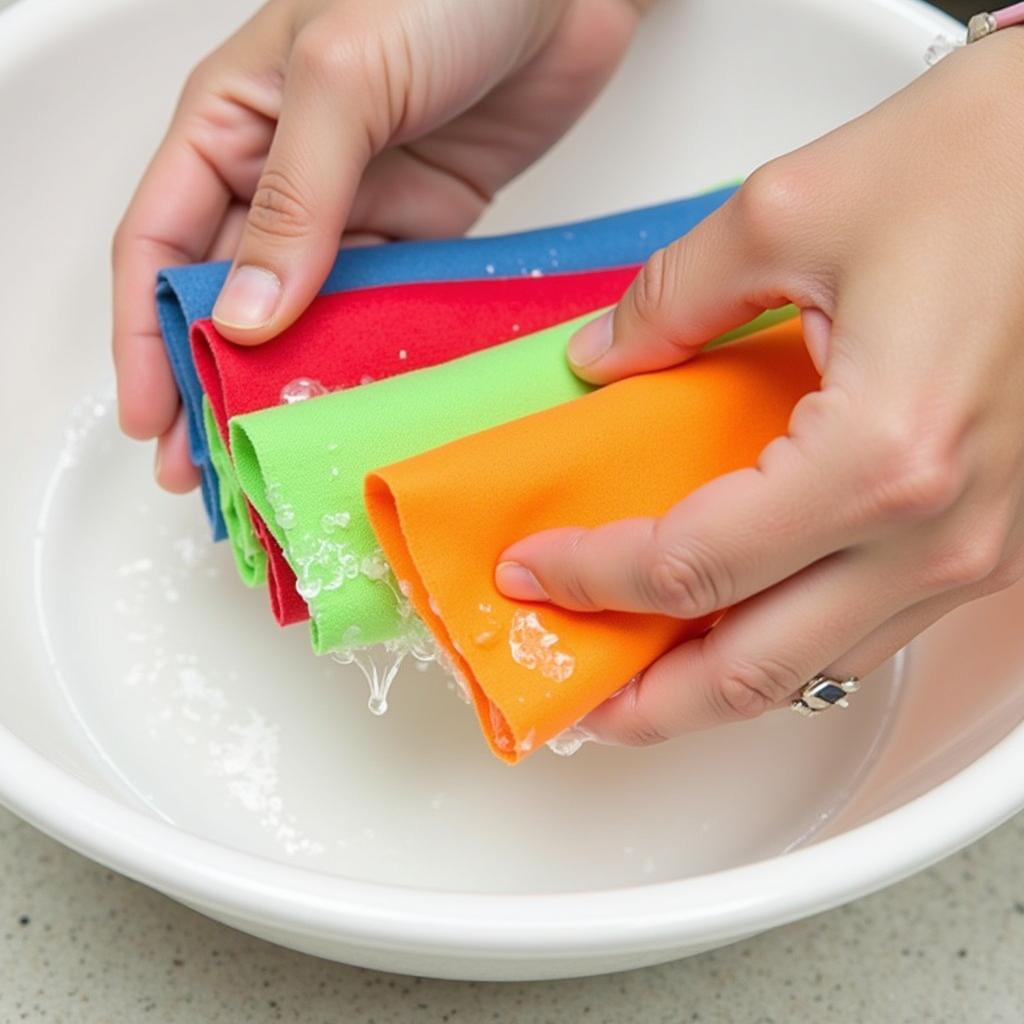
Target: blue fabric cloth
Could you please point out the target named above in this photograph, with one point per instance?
(186, 294)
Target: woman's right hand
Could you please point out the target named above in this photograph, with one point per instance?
(318, 118)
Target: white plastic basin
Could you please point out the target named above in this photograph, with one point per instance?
(152, 717)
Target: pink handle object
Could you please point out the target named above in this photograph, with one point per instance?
(1012, 15)
(982, 25)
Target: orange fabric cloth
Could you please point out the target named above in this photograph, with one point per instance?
(633, 448)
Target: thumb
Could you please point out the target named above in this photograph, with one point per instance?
(298, 211)
(713, 279)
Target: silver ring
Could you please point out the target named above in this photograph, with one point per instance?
(981, 25)
(824, 692)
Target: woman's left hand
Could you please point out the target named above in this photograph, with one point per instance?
(898, 492)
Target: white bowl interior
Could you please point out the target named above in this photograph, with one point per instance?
(134, 659)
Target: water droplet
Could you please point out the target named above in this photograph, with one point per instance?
(940, 48)
(525, 745)
(561, 667)
(378, 663)
(374, 566)
(567, 742)
(533, 647)
(284, 514)
(301, 389)
(486, 634)
(330, 521)
(499, 728)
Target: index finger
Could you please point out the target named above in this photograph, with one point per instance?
(726, 541)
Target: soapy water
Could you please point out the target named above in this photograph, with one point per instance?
(533, 647)
(301, 389)
(530, 644)
(485, 633)
(380, 663)
(568, 742)
(325, 561)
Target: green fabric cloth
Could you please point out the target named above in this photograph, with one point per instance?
(302, 466)
(250, 558)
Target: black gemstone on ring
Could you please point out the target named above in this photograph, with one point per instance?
(830, 692)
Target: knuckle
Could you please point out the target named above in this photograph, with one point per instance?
(198, 81)
(573, 575)
(325, 54)
(971, 559)
(278, 208)
(916, 476)
(685, 579)
(747, 689)
(772, 197)
(653, 289)
(1008, 573)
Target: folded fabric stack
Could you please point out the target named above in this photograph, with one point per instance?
(371, 462)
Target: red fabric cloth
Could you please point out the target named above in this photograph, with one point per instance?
(380, 332)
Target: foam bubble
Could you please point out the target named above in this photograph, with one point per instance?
(533, 647)
(301, 389)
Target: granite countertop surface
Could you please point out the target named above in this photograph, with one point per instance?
(80, 943)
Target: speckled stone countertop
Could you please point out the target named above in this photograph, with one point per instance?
(79, 943)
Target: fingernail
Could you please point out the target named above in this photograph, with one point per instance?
(630, 684)
(591, 341)
(515, 580)
(248, 299)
